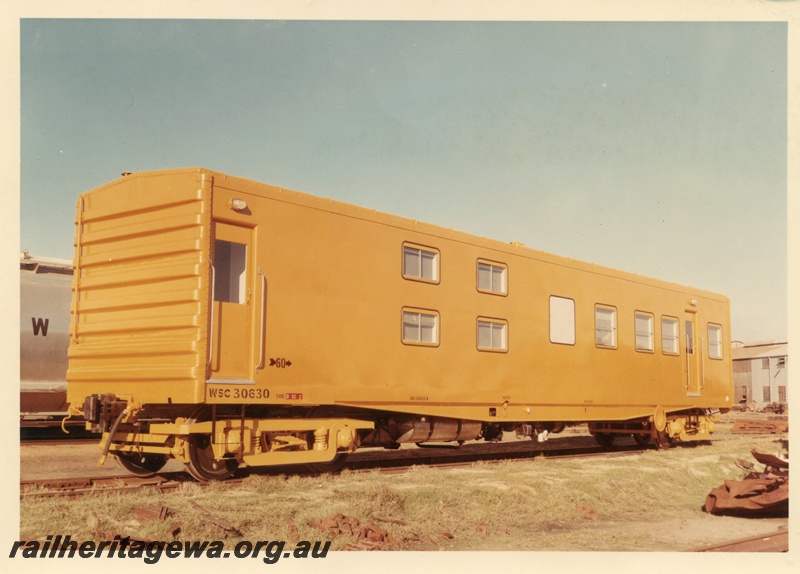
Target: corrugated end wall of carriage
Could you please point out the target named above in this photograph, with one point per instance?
(140, 291)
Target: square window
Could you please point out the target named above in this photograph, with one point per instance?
(605, 326)
(492, 277)
(420, 327)
(715, 341)
(644, 331)
(420, 263)
(669, 336)
(562, 320)
(492, 335)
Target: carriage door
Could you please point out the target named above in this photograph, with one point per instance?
(694, 350)
(231, 343)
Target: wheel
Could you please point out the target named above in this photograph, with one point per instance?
(663, 440)
(641, 439)
(340, 459)
(143, 465)
(334, 465)
(605, 439)
(202, 465)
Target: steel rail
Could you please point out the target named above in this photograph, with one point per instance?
(81, 486)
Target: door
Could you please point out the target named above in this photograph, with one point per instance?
(232, 342)
(694, 349)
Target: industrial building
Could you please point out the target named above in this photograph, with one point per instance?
(760, 375)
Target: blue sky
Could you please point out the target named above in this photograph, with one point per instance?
(657, 148)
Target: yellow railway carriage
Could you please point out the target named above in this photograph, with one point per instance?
(222, 322)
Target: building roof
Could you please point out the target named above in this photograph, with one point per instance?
(761, 351)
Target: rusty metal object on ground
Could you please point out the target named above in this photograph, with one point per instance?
(758, 494)
(760, 426)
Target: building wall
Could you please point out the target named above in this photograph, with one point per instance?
(766, 380)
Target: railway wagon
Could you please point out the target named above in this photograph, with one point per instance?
(225, 322)
(45, 297)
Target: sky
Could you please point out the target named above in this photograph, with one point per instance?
(658, 148)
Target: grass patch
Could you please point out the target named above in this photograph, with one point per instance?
(511, 504)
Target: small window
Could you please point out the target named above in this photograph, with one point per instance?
(765, 363)
(782, 394)
(420, 327)
(714, 341)
(420, 263)
(781, 364)
(492, 335)
(230, 272)
(605, 326)
(644, 331)
(562, 320)
(669, 336)
(492, 277)
(767, 394)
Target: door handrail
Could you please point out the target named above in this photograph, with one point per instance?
(702, 364)
(262, 353)
(211, 318)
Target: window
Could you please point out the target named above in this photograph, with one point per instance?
(605, 326)
(669, 336)
(230, 272)
(562, 320)
(492, 335)
(714, 341)
(781, 363)
(420, 327)
(782, 394)
(492, 277)
(644, 331)
(420, 263)
(765, 363)
(767, 395)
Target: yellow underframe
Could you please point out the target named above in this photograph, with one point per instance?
(682, 427)
(253, 442)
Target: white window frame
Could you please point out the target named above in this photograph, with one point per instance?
(610, 333)
(497, 330)
(411, 319)
(715, 342)
(562, 320)
(422, 272)
(493, 273)
(670, 341)
(644, 326)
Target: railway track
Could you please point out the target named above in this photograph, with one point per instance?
(777, 542)
(164, 482)
(55, 436)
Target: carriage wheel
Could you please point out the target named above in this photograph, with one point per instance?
(663, 440)
(605, 439)
(334, 465)
(641, 439)
(340, 459)
(202, 465)
(143, 465)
